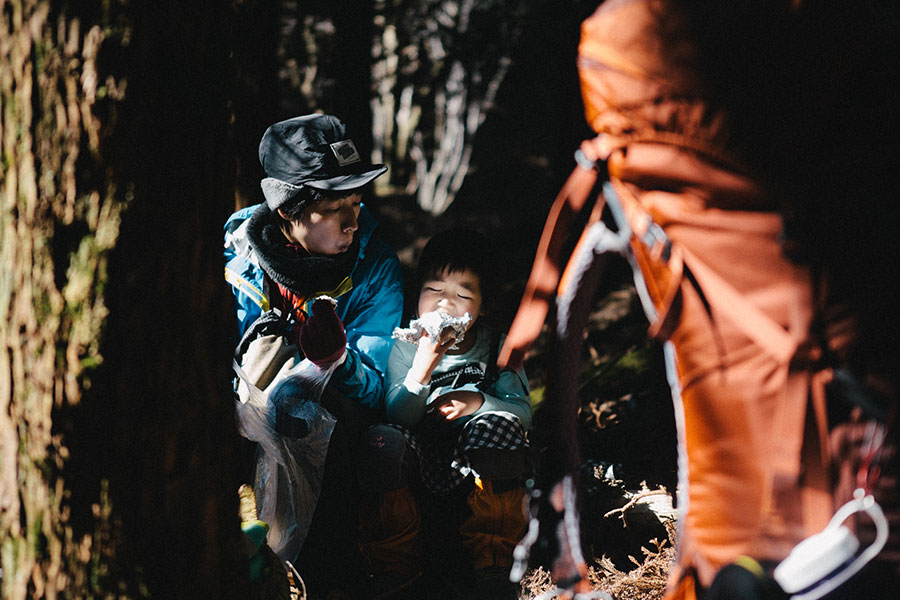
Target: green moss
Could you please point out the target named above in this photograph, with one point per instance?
(39, 52)
(637, 360)
(90, 362)
(537, 396)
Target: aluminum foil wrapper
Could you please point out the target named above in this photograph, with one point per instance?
(433, 323)
(324, 297)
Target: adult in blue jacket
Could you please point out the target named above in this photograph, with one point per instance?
(312, 237)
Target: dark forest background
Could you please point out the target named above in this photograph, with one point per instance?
(129, 134)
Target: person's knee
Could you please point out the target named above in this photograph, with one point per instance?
(497, 464)
(385, 461)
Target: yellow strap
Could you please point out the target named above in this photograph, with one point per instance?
(345, 286)
(260, 299)
(246, 287)
(751, 565)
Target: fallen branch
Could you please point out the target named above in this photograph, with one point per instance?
(634, 500)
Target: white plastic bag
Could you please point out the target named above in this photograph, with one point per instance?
(293, 430)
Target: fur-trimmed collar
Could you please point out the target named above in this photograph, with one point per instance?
(300, 272)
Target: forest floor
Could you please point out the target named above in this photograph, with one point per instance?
(625, 420)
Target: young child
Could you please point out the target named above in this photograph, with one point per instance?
(456, 417)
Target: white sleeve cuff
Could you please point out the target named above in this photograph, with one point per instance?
(413, 386)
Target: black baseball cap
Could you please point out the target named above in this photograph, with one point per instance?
(311, 150)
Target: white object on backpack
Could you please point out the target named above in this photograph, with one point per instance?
(812, 561)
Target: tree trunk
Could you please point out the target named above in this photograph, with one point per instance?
(438, 69)
(116, 419)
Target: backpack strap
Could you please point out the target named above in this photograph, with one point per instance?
(651, 245)
(545, 273)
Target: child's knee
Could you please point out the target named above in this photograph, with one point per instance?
(497, 464)
(386, 459)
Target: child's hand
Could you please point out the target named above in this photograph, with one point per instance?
(429, 354)
(457, 404)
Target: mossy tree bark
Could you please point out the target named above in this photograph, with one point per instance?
(117, 436)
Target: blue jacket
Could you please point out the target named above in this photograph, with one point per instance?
(370, 309)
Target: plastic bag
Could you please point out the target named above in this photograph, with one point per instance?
(293, 431)
(265, 354)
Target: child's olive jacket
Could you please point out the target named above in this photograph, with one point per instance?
(370, 309)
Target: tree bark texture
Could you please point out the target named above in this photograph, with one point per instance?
(438, 68)
(117, 435)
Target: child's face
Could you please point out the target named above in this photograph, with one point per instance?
(454, 293)
(327, 226)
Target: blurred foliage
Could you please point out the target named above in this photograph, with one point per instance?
(625, 418)
(438, 68)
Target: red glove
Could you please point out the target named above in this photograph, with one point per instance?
(322, 336)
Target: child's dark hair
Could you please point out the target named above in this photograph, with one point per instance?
(307, 196)
(458, 249)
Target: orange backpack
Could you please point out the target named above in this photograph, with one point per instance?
(704, 243)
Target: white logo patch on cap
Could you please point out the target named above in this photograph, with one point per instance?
(345, 152)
